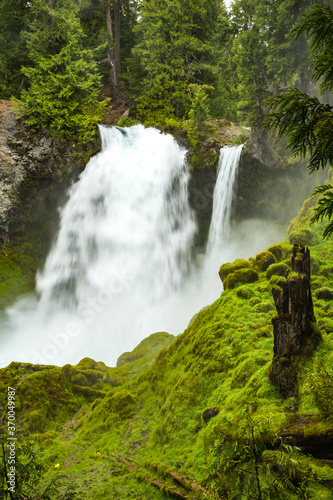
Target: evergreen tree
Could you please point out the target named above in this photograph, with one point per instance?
(175, 49)
(109, 27)
(15, 15)
(264, 56)
(63, 81)
(306, 121)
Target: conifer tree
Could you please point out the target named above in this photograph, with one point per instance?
(14, 17)
(264, 56)
(63, 81)
(175, 49)
(306, 121)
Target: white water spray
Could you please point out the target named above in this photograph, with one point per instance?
(219, 231)
(124, 247)
(121, 266)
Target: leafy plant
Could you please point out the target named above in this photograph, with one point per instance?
(256, 465)
(28, 473)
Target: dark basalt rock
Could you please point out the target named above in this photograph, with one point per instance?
(209, 414)
(296, 334)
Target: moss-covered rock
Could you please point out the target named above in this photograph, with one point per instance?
(122, 405)
(264, 260)
(152, 344)
(277, 251)
(46, 399)
(229, 268)
(240, 277)
(278, 269)
(86, 364)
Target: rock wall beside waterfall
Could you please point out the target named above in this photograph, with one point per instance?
(269, 186)
(34, 167)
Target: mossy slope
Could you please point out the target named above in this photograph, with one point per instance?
(119, 432)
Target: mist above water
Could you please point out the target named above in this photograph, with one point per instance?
(122, 266)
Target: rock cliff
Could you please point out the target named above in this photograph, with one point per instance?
(35, 169)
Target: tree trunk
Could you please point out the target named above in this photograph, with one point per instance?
(110, 56)
(117, 38)
(296, 334)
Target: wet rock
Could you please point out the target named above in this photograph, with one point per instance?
(33, 165)
(209, 414)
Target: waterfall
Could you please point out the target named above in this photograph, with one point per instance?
(219, 231)
(121, 267)
(122, 254)
(128, 214)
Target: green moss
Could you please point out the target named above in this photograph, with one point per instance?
(228, 268)
(240, 277)
(244, 292)
(149, 409)
(86, 364)
(279, 269)
(88, 392)
(264, 260)
(150, 345)
(277, 251)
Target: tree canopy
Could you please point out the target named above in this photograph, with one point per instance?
(304, 119)
(156, 52)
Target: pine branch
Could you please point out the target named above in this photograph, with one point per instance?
(306, 122)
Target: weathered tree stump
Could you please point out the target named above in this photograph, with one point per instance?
(296, 333)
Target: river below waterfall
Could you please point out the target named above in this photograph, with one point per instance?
(124, 265)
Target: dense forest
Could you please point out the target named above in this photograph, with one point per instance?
(175, 61)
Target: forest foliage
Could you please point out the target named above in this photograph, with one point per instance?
(307, 120)
(61, 58)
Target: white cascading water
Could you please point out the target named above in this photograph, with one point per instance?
(219, 245)
(121, 267)
(128, 215)
(219, 231)
(124, 248)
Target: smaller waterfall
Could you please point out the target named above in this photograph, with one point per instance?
(219, 232)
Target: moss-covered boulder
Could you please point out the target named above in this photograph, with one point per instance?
(150, 345)
(264, 260)
(230, 268)
(122, 404)
(277, 251)
(86, 364)
(46, 399)
(278, 269)
(240, 277)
